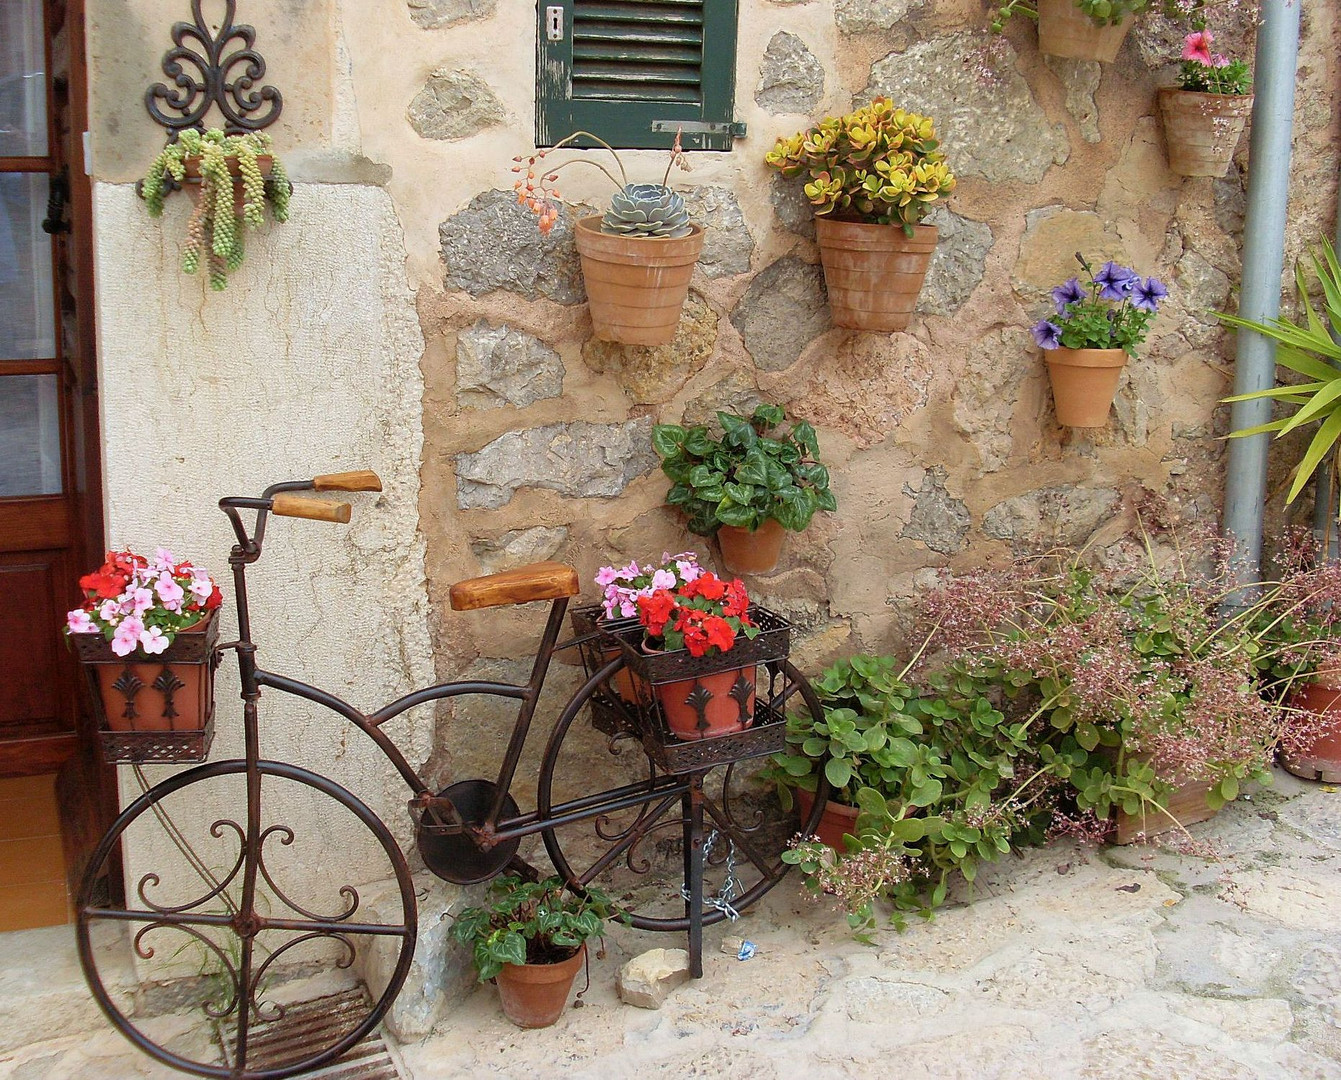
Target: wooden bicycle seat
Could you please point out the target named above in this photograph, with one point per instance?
(539, 581)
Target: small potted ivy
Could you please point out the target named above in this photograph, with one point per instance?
(747, 487)
(239, 176)
(531, 939)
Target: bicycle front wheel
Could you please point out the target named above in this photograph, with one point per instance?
(630, 820)
(244, 955)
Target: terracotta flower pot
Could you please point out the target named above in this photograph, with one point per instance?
(533, 995)
(1065, 30)
(1202, 130)
(266, 163)
(636, 285)
(1084, 382)
(1187, 804)
(719, 703)
(873, 272)
(1319, 756)
(745, 552)
(836, 820)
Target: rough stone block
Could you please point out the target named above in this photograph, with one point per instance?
(494, 243)
(785, 309)
(442, 971)
(500, 365)
(579, 459)
(431, 14)
(453, 105)
(791, 80)
(647, 979)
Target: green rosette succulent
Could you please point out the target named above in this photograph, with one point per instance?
(647, 210)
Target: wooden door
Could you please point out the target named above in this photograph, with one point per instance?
(50, 511)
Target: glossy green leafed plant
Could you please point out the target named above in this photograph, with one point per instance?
(1309, 351)
(530, 923)
(748, 475)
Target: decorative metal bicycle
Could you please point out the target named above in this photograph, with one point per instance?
(619, 801)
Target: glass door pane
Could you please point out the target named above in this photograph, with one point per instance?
(23, 95)
(27, 322)
(30, 435)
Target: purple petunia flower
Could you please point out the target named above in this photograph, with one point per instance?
(1067, 293)
(1148, 294)
(1117, 281)
(1047, 334)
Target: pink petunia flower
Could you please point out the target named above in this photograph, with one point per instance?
(170, 592)
(127, 636)
(80, 622)
(1219, 60)
(143, 600)
(663, 579)
(152, 640)
(163, 560)
(605, 576)
(109, 611)
(1197, 46)
(201, 587)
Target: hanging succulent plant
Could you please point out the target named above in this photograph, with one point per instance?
(647, 210)
(239, 175)
(635, 210)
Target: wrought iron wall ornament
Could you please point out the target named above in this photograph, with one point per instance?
(194, 92)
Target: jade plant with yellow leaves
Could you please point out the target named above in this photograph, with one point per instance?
(879, 164)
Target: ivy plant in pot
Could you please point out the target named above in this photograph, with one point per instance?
(1205, 113)
(1095, 327)
(531, 939)
(239, 176)
(871, 175)
(145, 634)
(749, 486)
(637, 258)
(1078, 29)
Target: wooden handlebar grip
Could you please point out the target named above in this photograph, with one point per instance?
(313, 509)
(359, 480)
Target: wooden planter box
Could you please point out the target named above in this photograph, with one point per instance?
(154, 709)
(1187, 804)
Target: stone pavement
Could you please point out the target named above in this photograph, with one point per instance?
(1070, 962)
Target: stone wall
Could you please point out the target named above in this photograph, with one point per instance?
(401, 122)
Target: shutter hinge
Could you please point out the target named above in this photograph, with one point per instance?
(734, 128)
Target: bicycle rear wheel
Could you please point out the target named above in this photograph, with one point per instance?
(630, 838)
(223, 987)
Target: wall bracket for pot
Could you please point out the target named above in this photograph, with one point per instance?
(224, 78)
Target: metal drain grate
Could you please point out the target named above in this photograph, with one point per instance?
(308, 1027)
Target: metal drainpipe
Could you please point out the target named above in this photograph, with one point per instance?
(1263, 259)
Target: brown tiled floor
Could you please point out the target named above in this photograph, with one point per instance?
(32, 867)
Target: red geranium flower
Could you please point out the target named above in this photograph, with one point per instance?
(719, 632)
(736, 599)
(654, 611)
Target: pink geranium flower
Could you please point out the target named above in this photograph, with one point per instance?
(127, 636)
(80, 622)
(170, 592)
(153, 640)
(1197, 46)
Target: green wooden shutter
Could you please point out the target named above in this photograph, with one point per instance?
(623, 65)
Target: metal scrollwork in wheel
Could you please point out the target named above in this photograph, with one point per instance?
(224, 78)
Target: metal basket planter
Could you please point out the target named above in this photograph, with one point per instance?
(154, 709)
(728, 685)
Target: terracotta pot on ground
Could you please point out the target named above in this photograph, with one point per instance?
(1065, 30)
(636, 285)
(836, 820)
(533, 995)
(728, 708)
(1084, 382)
(1319, 758)
(745, 552)
(1187, 804)
(1202, 130)
(873, 272)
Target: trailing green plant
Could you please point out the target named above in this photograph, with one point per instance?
(750, 474)
(529, 922)
(933, 773)
(877, 164)
(652, 210)
(215, 229)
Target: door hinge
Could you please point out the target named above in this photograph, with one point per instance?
(734, 128)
